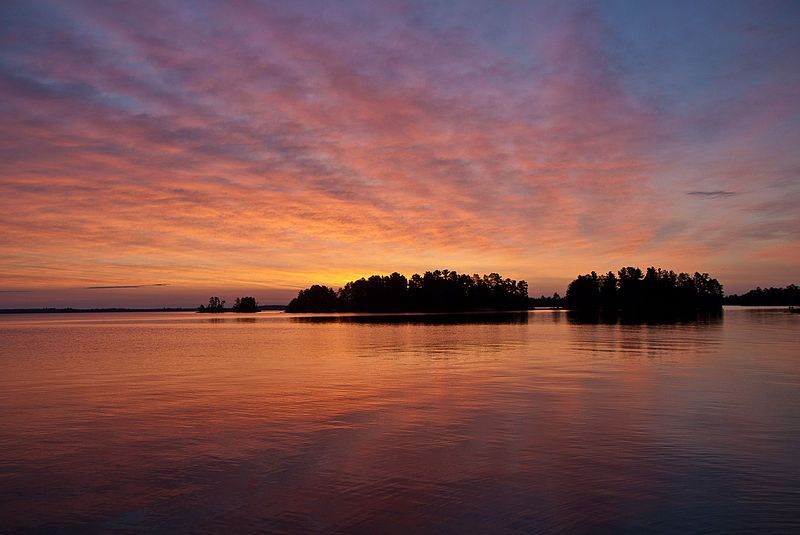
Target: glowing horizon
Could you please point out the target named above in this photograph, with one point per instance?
(260, 147)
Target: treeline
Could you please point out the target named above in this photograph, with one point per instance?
(653, 292)
(789, 296)
(434, 291)
(556, 301)
(217, 305)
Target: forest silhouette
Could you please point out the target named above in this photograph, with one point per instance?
(654, 292)
(217, 305)
(630, 292)
(788, 296)
(434, 291)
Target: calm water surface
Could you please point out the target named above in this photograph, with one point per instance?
(179, 422)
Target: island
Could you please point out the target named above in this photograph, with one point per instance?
(434, 291)
(242, 304)
(630, 292)
(788, 296)
(654, 292)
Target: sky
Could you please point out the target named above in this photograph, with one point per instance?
(155, 153)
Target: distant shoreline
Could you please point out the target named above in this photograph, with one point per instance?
(69, 310)
(283, 308)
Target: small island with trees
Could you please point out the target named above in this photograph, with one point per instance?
(242, 304)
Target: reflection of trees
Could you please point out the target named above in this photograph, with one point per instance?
(651, 338)
(443, 318)
(434, 291)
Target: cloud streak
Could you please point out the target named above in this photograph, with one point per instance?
(122, 287)
(714, 193)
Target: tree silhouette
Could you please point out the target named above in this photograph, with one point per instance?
(438, 290)
(584, 293)
(215, 305)
(653, 292)
(314, 299)
(788, 296)
(245, 304)
(556, 301)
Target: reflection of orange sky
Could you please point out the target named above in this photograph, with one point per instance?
(470, 385)
(292, 410)
(336, 158)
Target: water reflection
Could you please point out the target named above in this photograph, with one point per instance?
(461, 318)
(181, 423)
(598, 317)
(228, 319)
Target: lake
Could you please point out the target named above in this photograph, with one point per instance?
(509, 423)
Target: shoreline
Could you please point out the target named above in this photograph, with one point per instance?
(69, 310)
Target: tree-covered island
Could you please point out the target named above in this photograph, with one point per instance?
(655, 291)
(217, 305)
(434, 291)
(788, 296)
(630, 292)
